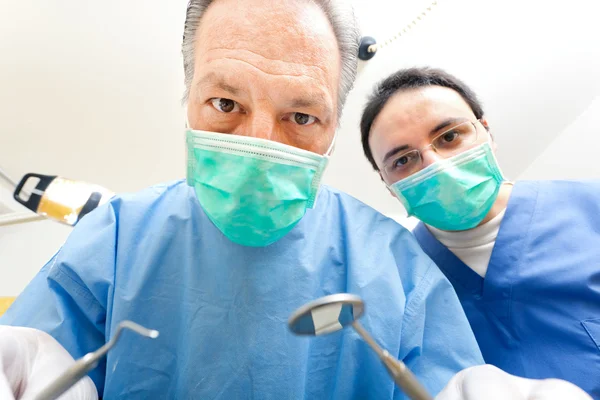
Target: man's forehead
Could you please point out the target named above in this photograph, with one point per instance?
(291, 31)
(422, 103)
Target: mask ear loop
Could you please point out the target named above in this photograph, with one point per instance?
(332, 145)
(505, 181)
(316, 183)
(187, 119)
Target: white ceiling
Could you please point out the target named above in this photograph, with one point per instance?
(91, 90)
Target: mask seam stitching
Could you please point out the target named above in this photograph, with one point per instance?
(261, 146)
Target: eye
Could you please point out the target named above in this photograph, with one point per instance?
(449, 137)
(405, 160)
(303, 119)
(449, 140)
(402, 161)
(225, 105)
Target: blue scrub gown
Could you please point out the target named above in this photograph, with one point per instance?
(537, 312)
(222, 309)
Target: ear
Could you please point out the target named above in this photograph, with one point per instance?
(486, 125)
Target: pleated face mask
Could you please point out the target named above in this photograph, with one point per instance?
(454, 194)
(254, 190)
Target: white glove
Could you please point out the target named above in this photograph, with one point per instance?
(486, 382)
(30, 360)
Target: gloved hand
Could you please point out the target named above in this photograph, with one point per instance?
(31, 359)
(487, 382)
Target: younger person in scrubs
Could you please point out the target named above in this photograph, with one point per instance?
(524, 258)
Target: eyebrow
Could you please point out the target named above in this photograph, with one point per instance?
(438, 127)
(314, 101)
(446, 123)
(393, 152)
(218, 81)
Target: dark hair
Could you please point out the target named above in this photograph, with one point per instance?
(407, 79)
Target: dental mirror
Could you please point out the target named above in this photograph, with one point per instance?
(334, 312)
(326, 315)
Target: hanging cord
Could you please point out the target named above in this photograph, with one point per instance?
(369, 46)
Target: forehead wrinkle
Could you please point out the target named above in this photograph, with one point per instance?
(270, 73)
(279, 64)
(277, 60)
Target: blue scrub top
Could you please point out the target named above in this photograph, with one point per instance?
(537, 312)
(222, 309)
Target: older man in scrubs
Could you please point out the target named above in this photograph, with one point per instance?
(524, 258)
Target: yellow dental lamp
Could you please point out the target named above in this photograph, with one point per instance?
(57, 198)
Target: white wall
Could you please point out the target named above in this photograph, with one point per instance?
(573, 154)
(25, 248)
(88, 90)
(91, 91)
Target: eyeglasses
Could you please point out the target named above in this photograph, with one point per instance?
(447, 144)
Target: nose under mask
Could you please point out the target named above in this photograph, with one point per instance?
(253, 190)
(453, 194)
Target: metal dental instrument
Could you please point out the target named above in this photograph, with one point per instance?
(335, 312)
(90, 361)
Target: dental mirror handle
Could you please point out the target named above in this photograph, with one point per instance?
(401, 375)
(404, 378)
(81, 367)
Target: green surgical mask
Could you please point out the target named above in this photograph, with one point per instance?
(454, 194)
(254, 190)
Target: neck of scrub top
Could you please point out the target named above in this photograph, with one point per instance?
(501, 202)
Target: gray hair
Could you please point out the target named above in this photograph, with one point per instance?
(340, 16)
